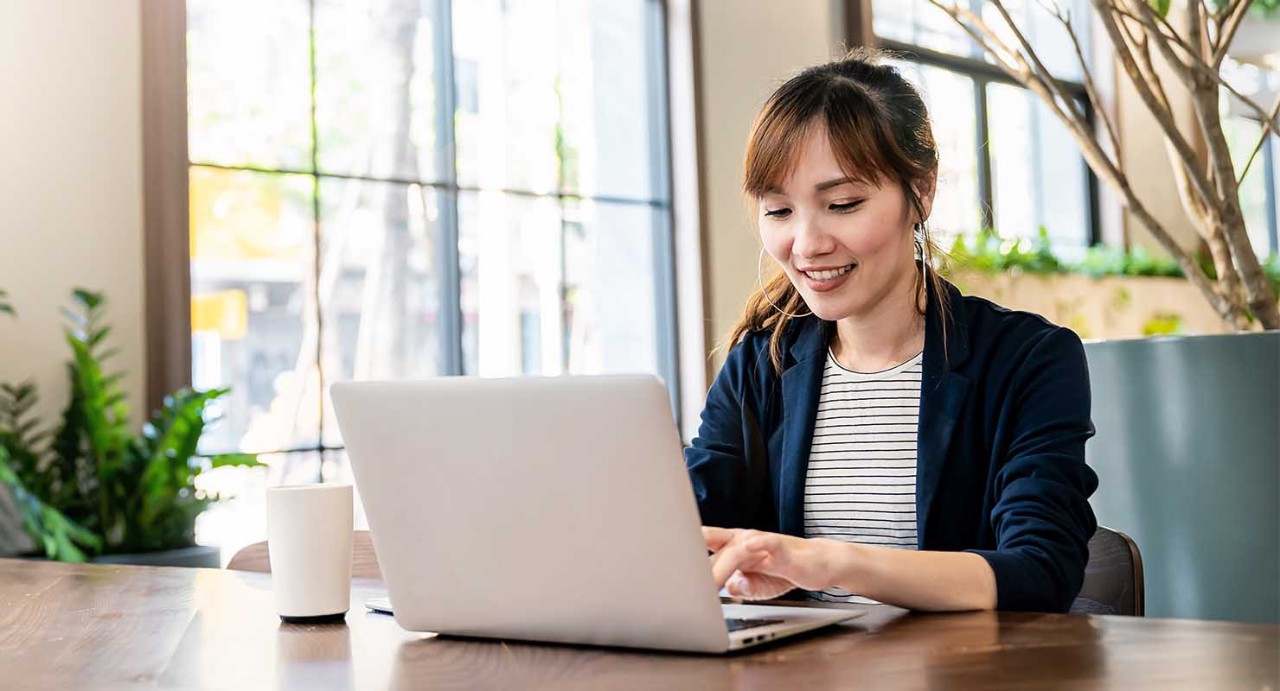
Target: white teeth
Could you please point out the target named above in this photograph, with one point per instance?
(828, 275)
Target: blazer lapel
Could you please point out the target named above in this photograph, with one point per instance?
(801, 385)
(942, 395)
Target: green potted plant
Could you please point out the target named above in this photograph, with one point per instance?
(88, 487)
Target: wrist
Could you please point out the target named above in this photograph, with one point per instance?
(843, 564)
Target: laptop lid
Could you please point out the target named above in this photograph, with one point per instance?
(551, 509)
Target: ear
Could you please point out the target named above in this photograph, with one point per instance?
(925, 188)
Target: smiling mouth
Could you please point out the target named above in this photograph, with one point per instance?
(829, 274)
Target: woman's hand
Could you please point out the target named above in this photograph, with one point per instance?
(755, 565)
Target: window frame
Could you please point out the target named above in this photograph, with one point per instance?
(679, 301)
(860, 31)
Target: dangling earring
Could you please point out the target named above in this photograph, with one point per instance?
(921, 233)
(765, 293)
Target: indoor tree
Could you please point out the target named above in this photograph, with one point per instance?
(1191, 39)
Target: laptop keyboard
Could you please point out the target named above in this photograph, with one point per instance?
(740, 624)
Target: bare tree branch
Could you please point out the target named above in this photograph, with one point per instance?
(982, 34)
(1267, 128)
(1139, 47)
(1228, 216)
(1193, 59)
(1267, 118)
(1234, 16)
(1158, 25)
(1224, 218)
(1040, 69)
(1158, 107)
(1087, 77)
(1147, 18)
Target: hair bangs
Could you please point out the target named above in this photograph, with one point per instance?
(773, 150)
(779, 135)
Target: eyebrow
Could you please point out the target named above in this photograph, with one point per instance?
(820, 187)
(823, 186)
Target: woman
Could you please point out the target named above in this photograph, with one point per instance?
(873, 433)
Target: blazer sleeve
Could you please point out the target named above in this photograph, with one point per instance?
(1041, 517)
(725, 482)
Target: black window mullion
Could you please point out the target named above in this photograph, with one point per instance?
(450, 278)
(1091, 183)
(986, 194)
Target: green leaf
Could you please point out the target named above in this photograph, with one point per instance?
(1161, 7)
(91, 300)
(98, 336)
(244, 460)
(61, 537)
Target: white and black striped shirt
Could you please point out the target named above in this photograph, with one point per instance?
(861, 482)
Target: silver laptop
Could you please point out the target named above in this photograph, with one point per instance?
(543, 509)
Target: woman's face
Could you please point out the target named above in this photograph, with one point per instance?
(844, 244)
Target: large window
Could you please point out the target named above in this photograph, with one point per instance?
(1007, 162)
(417, 188)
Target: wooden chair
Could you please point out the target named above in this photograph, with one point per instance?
(364, 562)
(1113, 579)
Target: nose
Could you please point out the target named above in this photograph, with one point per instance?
(811, 240)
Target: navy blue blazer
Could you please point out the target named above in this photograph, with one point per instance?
(1004, 416)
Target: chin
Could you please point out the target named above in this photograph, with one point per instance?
(829, 310)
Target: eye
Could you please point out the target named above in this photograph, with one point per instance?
(846, 206)
(778, 213)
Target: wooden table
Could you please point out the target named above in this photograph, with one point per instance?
(96, 626)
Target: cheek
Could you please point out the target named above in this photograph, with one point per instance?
(875, 235)
(777, 243)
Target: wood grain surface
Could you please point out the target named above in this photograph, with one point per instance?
(68, 626)
(364, 560)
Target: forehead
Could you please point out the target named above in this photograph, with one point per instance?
(814, 162)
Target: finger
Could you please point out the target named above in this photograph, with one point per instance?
(756, 586)
(738, 585)
(733, 558)
(771, 543)
(716, 538)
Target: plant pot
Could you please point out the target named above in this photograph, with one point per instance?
(1188, 459)
(199, 556)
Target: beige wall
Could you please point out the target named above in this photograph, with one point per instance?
(1146, 163)
(747, 48)
(71, 181)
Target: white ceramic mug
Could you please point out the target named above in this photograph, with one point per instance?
(309, 530)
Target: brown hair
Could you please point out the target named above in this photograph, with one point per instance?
(879, 130)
